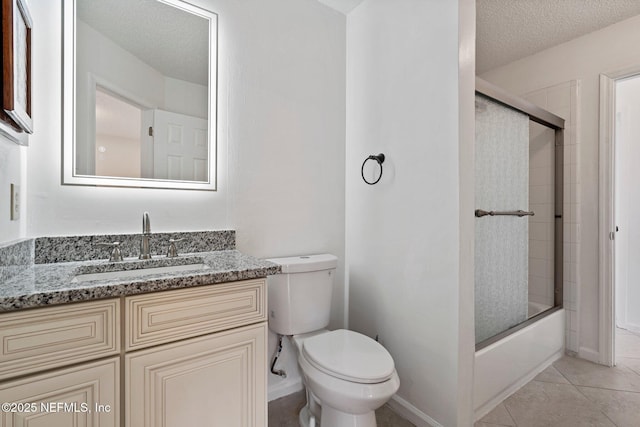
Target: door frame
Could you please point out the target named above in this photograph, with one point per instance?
(606, 211)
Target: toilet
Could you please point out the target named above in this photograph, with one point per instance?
(347, 375)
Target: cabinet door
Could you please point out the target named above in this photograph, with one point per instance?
(218, 380)
(83, 396)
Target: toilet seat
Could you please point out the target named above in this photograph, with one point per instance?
(349, 356)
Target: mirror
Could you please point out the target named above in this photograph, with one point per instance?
(139, 94)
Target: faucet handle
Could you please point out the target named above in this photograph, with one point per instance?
(173, 251)
(116, 254)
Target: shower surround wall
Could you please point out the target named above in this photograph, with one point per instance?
(562, 100)
(502, 242)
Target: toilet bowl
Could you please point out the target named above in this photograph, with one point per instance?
(347, 375)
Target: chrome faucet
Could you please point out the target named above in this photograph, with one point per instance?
(146, 234)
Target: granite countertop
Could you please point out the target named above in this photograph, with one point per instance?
(51, 284)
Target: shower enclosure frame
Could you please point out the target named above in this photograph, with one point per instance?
(556, 123)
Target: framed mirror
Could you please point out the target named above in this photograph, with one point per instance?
(15, 81)
(139, 94)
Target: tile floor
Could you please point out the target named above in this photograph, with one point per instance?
(570, 393)
(574, 392)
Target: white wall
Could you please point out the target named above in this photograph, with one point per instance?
(466, 200)
(12, 171)
(612, 48)
(281, 140)
(285, 96)
(185, 97)
(121, 156)
(282, 54)
(408, 263)
(627, 199)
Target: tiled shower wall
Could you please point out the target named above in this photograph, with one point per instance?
(562, 100)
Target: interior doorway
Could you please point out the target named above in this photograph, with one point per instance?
(619, 211)
(626, 213)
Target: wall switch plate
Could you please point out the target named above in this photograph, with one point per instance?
(15, 202)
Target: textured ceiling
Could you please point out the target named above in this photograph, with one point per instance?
(175, 42)
(344, 6)
(168, 39)
(508, 30)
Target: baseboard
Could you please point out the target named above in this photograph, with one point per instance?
(589, 354)
(411, 413)
(630, 327)
(490, 405)
(284, 389)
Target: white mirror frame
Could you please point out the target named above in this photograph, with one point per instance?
(69, 177)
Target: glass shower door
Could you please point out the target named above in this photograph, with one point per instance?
(501, 234)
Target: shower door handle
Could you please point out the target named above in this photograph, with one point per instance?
(520, 213)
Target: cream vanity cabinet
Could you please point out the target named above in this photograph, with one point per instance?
(215, 380)
(60, 366)
(188, 357)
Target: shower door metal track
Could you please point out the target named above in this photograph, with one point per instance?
(556, 123)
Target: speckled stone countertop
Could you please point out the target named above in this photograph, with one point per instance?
(51, 284)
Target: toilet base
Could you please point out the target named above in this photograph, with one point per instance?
(333, 418)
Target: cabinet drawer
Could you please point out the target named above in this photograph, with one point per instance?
(163, 317)
(43, 338)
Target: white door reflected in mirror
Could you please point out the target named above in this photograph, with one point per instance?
(140, 94)
(133, 142)
(179, 146)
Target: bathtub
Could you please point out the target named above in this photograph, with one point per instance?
(536, 308)
(506, 365)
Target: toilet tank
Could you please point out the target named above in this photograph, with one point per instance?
(300, 298)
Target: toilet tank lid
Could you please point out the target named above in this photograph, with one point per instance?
(306, 263)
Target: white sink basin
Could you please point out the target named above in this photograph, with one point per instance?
(110, 275)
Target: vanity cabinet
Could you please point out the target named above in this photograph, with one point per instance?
(187, 357)
(85, 395)
(38, 342)
(217, 379)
